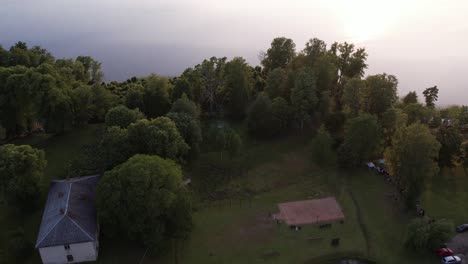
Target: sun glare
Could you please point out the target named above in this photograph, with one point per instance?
(364, 20)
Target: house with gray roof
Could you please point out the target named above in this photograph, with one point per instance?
(69, 230)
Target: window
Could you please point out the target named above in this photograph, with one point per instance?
(69, 258)
(67, 247)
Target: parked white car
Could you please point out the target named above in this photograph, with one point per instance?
(451, 260)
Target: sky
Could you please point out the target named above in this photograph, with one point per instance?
(422, 43)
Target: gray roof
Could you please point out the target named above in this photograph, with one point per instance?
(70, 213)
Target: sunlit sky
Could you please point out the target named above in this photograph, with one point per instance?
(423, 43)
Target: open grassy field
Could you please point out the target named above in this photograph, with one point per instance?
(239, 230)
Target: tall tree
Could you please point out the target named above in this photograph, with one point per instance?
(280, 54)
(361, 141)
(238, 86)
(431, 96)
(275, 81)
(379, 93)
(156, 96)
(314, 49)
(259, 117)
(411, 160)
(144, 200)
(450, 140)
(410, 98)
(303, 97)
(352, 95)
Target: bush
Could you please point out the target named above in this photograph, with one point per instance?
(122, 117)
(322, 148)
(425, 234)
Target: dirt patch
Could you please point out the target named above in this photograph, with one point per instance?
(256, 229)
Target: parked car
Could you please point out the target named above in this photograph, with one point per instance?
(444, 252)
(451, 260)
(462, 228)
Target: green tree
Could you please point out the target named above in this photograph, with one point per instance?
(464, 156)
(233, 143)
(189, 128)
(450, 140)
(184, 105)
(274, 82)
(463, 116)
(391, 120)
(259, 117)
(134, 98)
(431, 96)
(281, 113)
(379, 93)
(157, 137)
(411, 159)
(21, 170)
(303, 97)
(410, 98)
(122, 117)
(181, 86)
(361, 141)
(144, 200)
(82, 105)
(314, 49)
(280, 54)
(426, 235)
(156, 96)
(238, 87)
(417, 113)
(352, 96)
(103, 100)
(322, 148)
(115, 146)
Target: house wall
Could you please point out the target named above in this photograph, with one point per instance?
(58, 254)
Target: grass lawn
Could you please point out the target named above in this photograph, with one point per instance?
(59, 150)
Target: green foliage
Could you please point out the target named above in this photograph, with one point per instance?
(189, 129)
(303, 97)
(181, 86)
(238, 86)
(259, 117)
(281, 113)
(362, 139)
(322, 148)
(115, 146)
(410, 98)
(274, 82)
(122, 117)
(379, 93)
(424, 234)
(463, 116)
(411, 159)
(134, 97)
(143, 199)
(417, 113)
(391, 120)
(157, 137)
(82, 104)
(156, 96)
(21, 169)
(280, 54)
(184, 105)
(352, 95)
(450, 140)
(431, 96)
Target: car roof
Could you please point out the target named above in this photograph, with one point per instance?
(451, 258)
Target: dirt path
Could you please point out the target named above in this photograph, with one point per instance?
(365, 232)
